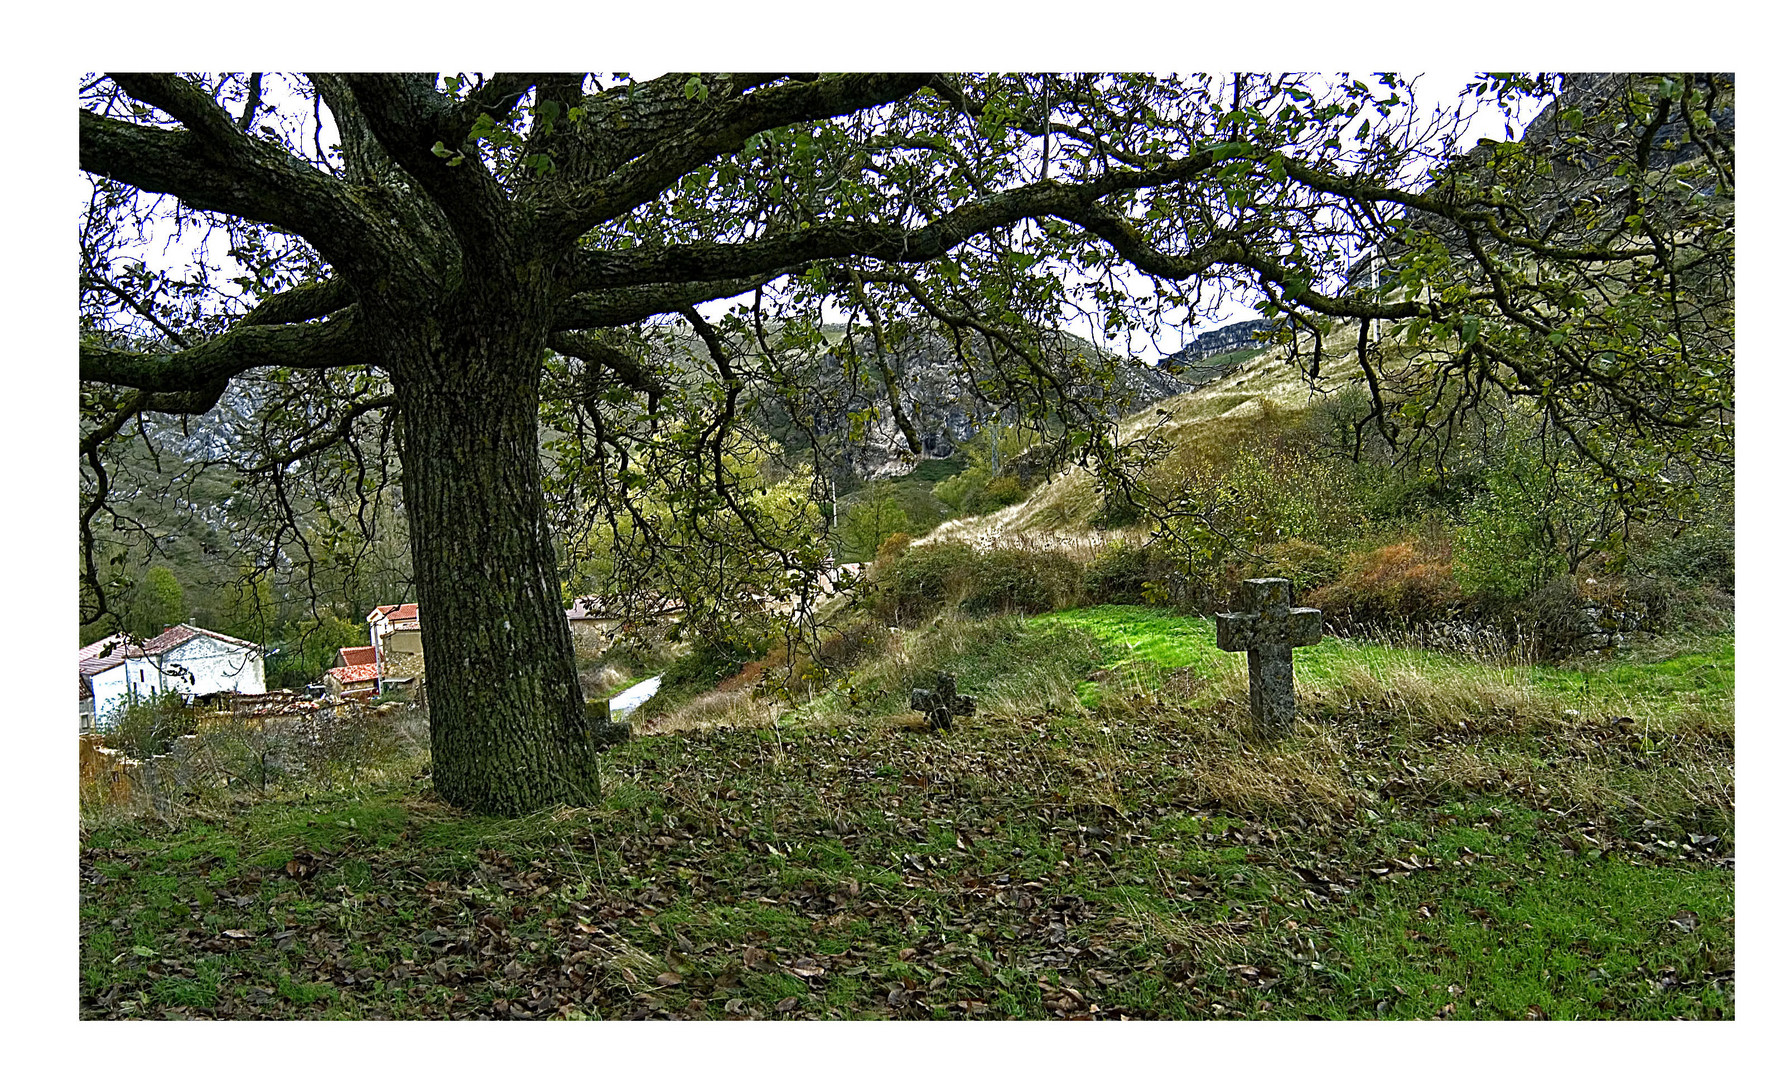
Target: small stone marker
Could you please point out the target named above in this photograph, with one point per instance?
(1267, 634)
(941, 705)
(605, 730)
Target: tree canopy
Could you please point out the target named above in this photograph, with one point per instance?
(437, 262)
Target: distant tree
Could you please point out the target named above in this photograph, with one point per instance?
(427, 260)
(867, 524)
(160, 602)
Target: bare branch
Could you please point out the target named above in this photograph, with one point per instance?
(625, 306)
(723, 130)
(207, 366)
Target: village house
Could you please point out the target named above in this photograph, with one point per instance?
(396, 642)
(358, 671)
(595, 621)
(394, 658)
(186, 660)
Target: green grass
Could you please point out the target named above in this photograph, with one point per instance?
(1464, 850)
(1701, 673)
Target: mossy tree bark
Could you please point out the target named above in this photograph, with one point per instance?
(509, 733)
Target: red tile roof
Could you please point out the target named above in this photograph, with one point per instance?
(105, 645)
(175, 636)
(396, 612)
(362, 654)
(353, 673)
(97, 664)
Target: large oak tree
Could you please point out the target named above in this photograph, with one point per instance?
(431, 251)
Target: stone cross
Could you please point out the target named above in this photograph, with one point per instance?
(941, 705)
(1267, 634)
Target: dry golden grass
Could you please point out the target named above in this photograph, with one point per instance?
(739, 708)
(1266, 391)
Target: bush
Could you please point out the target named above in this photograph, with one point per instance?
(710, 662)
(1572, 614)
(1698, 557)
(893, 547)
(859, 639)
(145, 727)
(870, 522)
(1121, 572)
(935, 470)
(935, 576)
(1015, 666)
(925, 580)
(962, 491)
(852, 643)
(1502, 553)
(1117, 510)
(1307, 566)
(1026, 582)
(1001, 492)
(1397, 585)
(706, 664)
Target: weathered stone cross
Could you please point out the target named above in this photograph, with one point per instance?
(1267, 634)
(942, 704)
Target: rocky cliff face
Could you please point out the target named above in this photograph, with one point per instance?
(1579, 169)
(948, 400)
(1214, 353)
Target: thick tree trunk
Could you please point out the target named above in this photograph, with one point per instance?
(509, 732)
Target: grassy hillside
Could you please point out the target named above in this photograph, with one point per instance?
(1262, 392)
(1439, 838)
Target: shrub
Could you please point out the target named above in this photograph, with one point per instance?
(145, 727)
(869, 523)
(1697, 557)
(1306, 565)
(923, 581)
(893, 547)
(1572, 614)
(1502, 553)
(1001, 492)
(1027, 582)
(708, 662)
(852, 643)
(962, 490)
(1118, 509)
(1396, 585)
(935, 576)
(1121, 572)
(936, 470)
(859, 639)
(1015, 666)
(979, 490)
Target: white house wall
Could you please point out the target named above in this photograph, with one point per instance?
(108, 691)
(215, 666)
